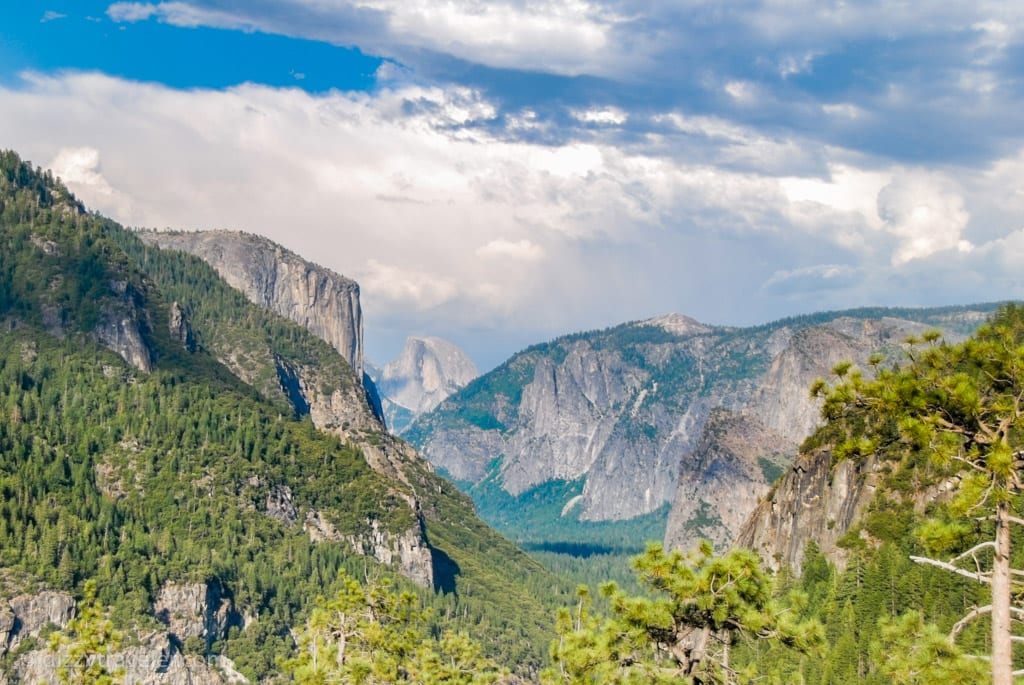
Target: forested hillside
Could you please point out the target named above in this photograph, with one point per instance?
(134, 457)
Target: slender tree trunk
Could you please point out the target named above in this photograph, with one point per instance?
(1002, 645)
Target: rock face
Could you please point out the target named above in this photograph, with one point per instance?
(124, 326)
(332, 395)
(813, 501)
(325, 303)
(195, 610)
(667, 411)
(25, 616)
(154, 657)
(426, 372)
(730, 468)
(406, 551)
(180, 328)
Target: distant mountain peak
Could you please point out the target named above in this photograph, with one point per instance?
(677, 324)
(427, 371)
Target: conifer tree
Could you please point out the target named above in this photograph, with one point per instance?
(370, 635)
(88, 638)
(963, 406)
(698, 605)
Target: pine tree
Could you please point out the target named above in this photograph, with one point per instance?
(963, 407)
(88, 638)
(698, 606)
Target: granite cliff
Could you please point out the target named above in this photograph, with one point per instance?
(426, 372)
(155, 655)
(666, 418)
(271, 276)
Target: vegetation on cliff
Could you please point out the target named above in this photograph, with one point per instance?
(135, 479)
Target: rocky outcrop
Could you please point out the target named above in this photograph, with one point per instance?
(627, 410)
(155, 660)
(325, 303)
(814, 501)
(26, 615)
(194, 610)
(729, 470)
(180, 328)
(124, 326)
(406, 551)
(189, 610)
(336, 407)
(426, 372)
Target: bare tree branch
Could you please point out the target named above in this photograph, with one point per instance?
(951, 568)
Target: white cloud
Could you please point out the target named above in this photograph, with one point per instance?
(182, 14)
(79, 168)
(609, 115)
(844, 110)
(401, 284)
(131, 11)
(562, 35)
(523, 250)
(743, 92)
(926, 214)
(809, 280)
(450, 226)
(52, 15)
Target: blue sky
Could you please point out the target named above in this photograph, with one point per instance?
(499, 173)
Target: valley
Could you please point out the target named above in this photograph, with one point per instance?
(196, 465)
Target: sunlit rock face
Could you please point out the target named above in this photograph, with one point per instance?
(664, 415)
(324, 302)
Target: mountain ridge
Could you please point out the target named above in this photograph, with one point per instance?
(624, 410)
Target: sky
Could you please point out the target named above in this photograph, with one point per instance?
(501, 173)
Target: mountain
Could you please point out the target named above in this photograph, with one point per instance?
(871, 522)
(321, 301)
(209, 463)
(665, 427)
(426, 372)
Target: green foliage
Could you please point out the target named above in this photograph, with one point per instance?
(951, 414)
(139, 479)
(697, 605)
(371, 634)
(89, 637)
(544, 518)
(911, 652)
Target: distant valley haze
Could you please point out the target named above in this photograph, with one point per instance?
(501, 173)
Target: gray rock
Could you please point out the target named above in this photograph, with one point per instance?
(194, 610)
(627, 410)
(814, 501)
(155, 661)
(26, 615)
(280, 506)
(124, 326)
(426, 372)
(723, 479)
(406, 551)
(325, 303)
(180, 327)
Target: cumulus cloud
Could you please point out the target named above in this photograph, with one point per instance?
(79, 168)
(520, 250)
(925, 213)
(52, 15)
(453, 224)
